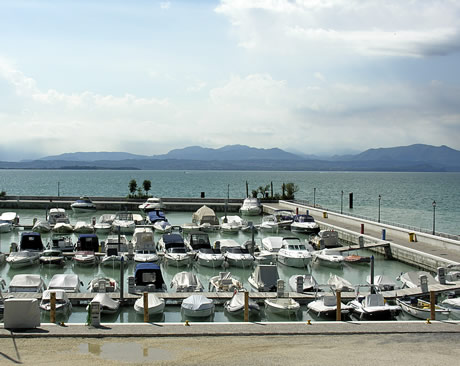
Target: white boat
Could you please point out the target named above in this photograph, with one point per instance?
(412, 279)
(148, 277)
(235, 254)
(11, 217)
(373, 306)
(52, 257)
(63, 304)
(198, 243)
(103, 284)
(382, 282)
(264, 278)
(26, 283)
(251, 207)
(155, 305)
(272, 243)
(284, 218)
(198, 306)
(152, 204)
(144, 246)
(269, 224)
(62, 228)
(190, 226)
(338, 283)
(83, 204)
(88, 242)
(175, 251)
(421, 309)
(326, 239)
(453, 304)
(85, 258)
(224, 282)
(112, 257)
(65, 281)
(328, 257)
(123, 223)
(5, 226)
(205, 215)
(261, 255)
(63, 243)
(235, 305)
(56, 215)
(41, 227)
(293, 253)
(326, 307)
(162, 226)
(282, 305)
(231, 224)
(307, 281)
(82, 227)
(23, 258)
(107, 305)
(304, 224)
(186, 282)
(104, 223)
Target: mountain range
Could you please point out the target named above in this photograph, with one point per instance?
(416, 157)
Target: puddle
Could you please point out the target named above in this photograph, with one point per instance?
(125, 352)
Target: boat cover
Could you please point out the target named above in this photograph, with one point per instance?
(153, 301)
(173, 240)
(197, 302)
(205, 215)
(412, 279)
(65, 281)
(26, 280)
(148, 274)
(156, 215)
(31, 241)
(339, 284)
(186, 279)
(199, 240)
(309, 282)
(88, 242)
(106, 301)
(272, 243)
(236, 303)
(266, 275)
(374, 300)
(60, 294)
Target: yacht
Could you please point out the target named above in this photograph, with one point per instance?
(83, 204)
(235, 254)
(328, 257)
(205, 255)
(152, 204)
(52, 257)
(326, 239)
(30, 250)
(174, 250)
(59, 221)
(123, 223)
(293, 253)
(144, 246)
(305, 224)
(104, 223)
(251, 207)
(61, 242)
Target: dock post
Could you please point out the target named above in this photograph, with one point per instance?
(122, 286)
(247, 189)
(372, 275)
(432, 305)
(246, 306)
(53, 307)
(362, 228)
(338, 316)
(441, 275)
(146, 307)
(350, 200)
(384, 234)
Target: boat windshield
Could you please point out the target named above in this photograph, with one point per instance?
(177, 250)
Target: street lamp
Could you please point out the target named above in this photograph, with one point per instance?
(380, 197)
(314, 197)
(341, 203)
(434, 215)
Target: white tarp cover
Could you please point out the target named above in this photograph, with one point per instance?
(237, 302)
(25, 281)
(340, 284)
(106, 301)
(60, 294)
(272, 243)
(454, 302)
(412, 279)
(186, 279)
(21, 313)
(228, 243)
(65, 281)
(197, 302)
(267, 275)
(153, 301)
(308, 282)
(207, 212)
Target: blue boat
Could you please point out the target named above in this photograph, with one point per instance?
(157, 215)
(148, 277)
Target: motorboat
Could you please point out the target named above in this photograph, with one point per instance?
(453, 304)
(62, 227)
(251, 207)
(186, 282)
(412, 279)
(338, 283)
(23, 258)
(11, 217)
(421, 309)
(103, 284)
(56, 215)
(306, 282)
(63, 243)
(148, 277)
(82, 227)
(382, 282)
(205, 255)
(272, 243)
(284, 218)
(235, 254)
(326, 307)
(112, 257)
(41, 227)
(155, 305)
(326, 239)
(328, 257)
(356, 259)
(88, 242)
(197, 240)
(5, 226)
(235, 305)
(83, 204)
(205, 215)
(305, 224)
(374, 307)
(231, 224)
(293, 253)
(69, 282)
(155, 216)
(85, 258)
(197, 306)
(63, 304)
(261, 255)
(52, 257)
(26, 283)
(31, 241)
(175, 251)
(224, 282)
(107, 305)
(282, 306)
(162, 226)
(264, 278)
(190, 226)
(123, 223)
(104, 223)
(269, 224)
(152, 204)
(144, 246)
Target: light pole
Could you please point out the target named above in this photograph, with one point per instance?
(314, 197)
(380, 197)
(434, 215)
(341, 203)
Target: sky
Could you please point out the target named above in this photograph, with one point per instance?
(311, 76)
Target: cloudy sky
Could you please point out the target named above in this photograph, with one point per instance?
(313, 76)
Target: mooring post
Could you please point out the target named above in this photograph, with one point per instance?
(372, 275)
(246, 306)
(122, 286)
(338, 316)
(146, 307)
(53, 307)
(247, 189)
(432, 305)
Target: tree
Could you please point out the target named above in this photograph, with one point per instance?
(147, 185)
(291, 189)
(132, 186)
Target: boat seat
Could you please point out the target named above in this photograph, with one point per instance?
(330, 301)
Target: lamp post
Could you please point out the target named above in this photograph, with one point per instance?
(380, 197)
(341, 203)
(314, 197)
(434, 215)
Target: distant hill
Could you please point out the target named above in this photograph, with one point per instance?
(94, 156)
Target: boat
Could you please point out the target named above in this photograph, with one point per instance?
(261, 255)
(231, 224)
(412, 279)
(251, 207)
(175, 251)
(306, 282)
(328, 257)
(5, 226)
(82, 227)
(103, 284)
(88, 242)
(305, 224)
(63, 304)
(112, 257)
(155, 305)
(282, 305)
(26, 283)
(83, 204)
(373, 307)
(62, 228)
(235, 305)
(148, 277)
(264, 278)
(59, 221)
(224, 282)
(382, 282)
(269, 224)
(186, 282)
(85, 258)
(11, 217)
(453, 304)
(205, 255)
(104, 223)
(421, 309)
(272, 243)
(162, 226)
(284, 218)
(144, 246)
(52, 257)
(190, 226)
(123, 223)
(356, 259)
(205, 215)
(63, 243)
(235, 254)
(326, 307)
(326, 239)
(23, 258)
(107, 305)
(152, 204)
(338, 283)
(155, 216)
(198, 306)
(293, 253)
(65, 281)
(41, 226)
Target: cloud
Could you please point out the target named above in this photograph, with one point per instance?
(165, 4)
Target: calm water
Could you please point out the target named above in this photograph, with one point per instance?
(406, 197)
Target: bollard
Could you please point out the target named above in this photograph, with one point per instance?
(362, 228)
(95, 309)
(384, 234)
(442, 275)
(296, 210)
(122, 285)
(299, 284)
(338, 313)
(52, 307)
(131, 284)
(432, 305)
(246, 306)
(350, 195)
(372, 275)
(146, 307)
(280, 288)
(361, 242)
(423, 283)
